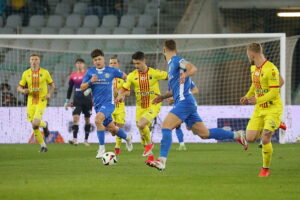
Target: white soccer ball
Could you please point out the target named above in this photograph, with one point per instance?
(109, 158)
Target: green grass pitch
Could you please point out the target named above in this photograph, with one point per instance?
(206, 171)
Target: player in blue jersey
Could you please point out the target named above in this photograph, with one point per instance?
(185, 106)
(194, 90)
(100, 79)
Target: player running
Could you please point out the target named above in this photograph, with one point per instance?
(100, 79)
(81, 102)
(194, 90)
(119, 113)
(37, 80)
(264, 93)
(145, 82)
(185, 107)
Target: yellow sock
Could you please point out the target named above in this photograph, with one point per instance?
(267, 151)
(38, 135)
(146, 135)
(42, 124)
(118, 142)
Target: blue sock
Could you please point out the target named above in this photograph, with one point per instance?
(166, 142)
(122, 134)
(179, 134)
(101, 137)
(220, 134)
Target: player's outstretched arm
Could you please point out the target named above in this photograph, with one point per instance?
(51, 90)
(159, 98)
(22, 90)
(121, 95)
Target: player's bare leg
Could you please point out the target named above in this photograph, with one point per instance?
(118, 140)
(143, 126)
(267, 151)
(38, 135)
(75, 129)
(114, 130)
(87, 130)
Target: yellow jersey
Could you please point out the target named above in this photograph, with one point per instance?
(145, 85)
(37, 83)
(265, 87)
(118, 83)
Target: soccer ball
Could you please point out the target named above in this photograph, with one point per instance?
(109, 158)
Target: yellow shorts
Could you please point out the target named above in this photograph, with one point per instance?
(119, 115)
(36, 111)
(148, 113)
(269, 122)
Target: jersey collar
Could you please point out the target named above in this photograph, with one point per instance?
(263, 64)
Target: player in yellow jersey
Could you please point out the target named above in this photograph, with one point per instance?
(264, 93)
(145, 81)
(119, 113)
(37, 79)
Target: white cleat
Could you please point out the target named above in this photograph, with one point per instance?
(242, 139)
(157, 164)
(128, 141)
(100, 153)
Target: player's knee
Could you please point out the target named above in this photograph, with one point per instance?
(141, 126)
(34, 127)
(113, 130)
(202, 133)
(35, 123)
(250, 138)
(98, 122)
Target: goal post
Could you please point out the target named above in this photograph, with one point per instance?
(223, 68)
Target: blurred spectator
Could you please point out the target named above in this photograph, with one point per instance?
(3, 4)
(106, 7)
(7, 98)
(38, 7)
(18, 7)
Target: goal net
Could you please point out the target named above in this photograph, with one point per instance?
(223, 68)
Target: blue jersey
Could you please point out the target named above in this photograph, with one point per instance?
(103, 89)
(180, 91)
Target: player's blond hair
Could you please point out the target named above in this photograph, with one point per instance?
(255, 47)
(35, 54)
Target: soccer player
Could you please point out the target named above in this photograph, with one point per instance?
(194, 90)
(119, 113)
(100, 79)
(264, 93)
(81, 102)
(37, 80)
(145, 82)
(185, 107)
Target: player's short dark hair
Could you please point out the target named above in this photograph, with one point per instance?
(254, 47)
(96, 53)
(35, 54)
(79, 60)
(170, 44)
(138, 56)
(115, 57)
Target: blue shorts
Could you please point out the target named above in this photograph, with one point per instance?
(187, 112)
(107, 109)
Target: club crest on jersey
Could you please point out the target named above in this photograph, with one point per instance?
(35, 75)
(256, 73)
(143, 78)
(106, 75)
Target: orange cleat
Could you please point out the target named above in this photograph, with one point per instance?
(282, 126)
(264, 172)
(117, 151)
(148, 150)
(149, 159)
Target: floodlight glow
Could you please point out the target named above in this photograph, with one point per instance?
(288, 14)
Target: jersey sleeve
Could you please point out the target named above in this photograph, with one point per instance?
(23, 80)
(118, 73)
(128, 82)
(48, 78)
(183, 63)
(87, 77)
(273, 82)
(161, 75)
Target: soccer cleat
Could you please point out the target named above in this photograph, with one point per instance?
(117, 151)
(282, 126)
(129, 142)
(100, 153)
(148, 150)
(72, 142)
(264, 172)
(242, 139)
(43, 149)
(86, 143)
(181, 148)
(149, 159)
(46, 130)
(156, 164)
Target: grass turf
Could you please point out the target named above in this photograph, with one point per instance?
(206, 171)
